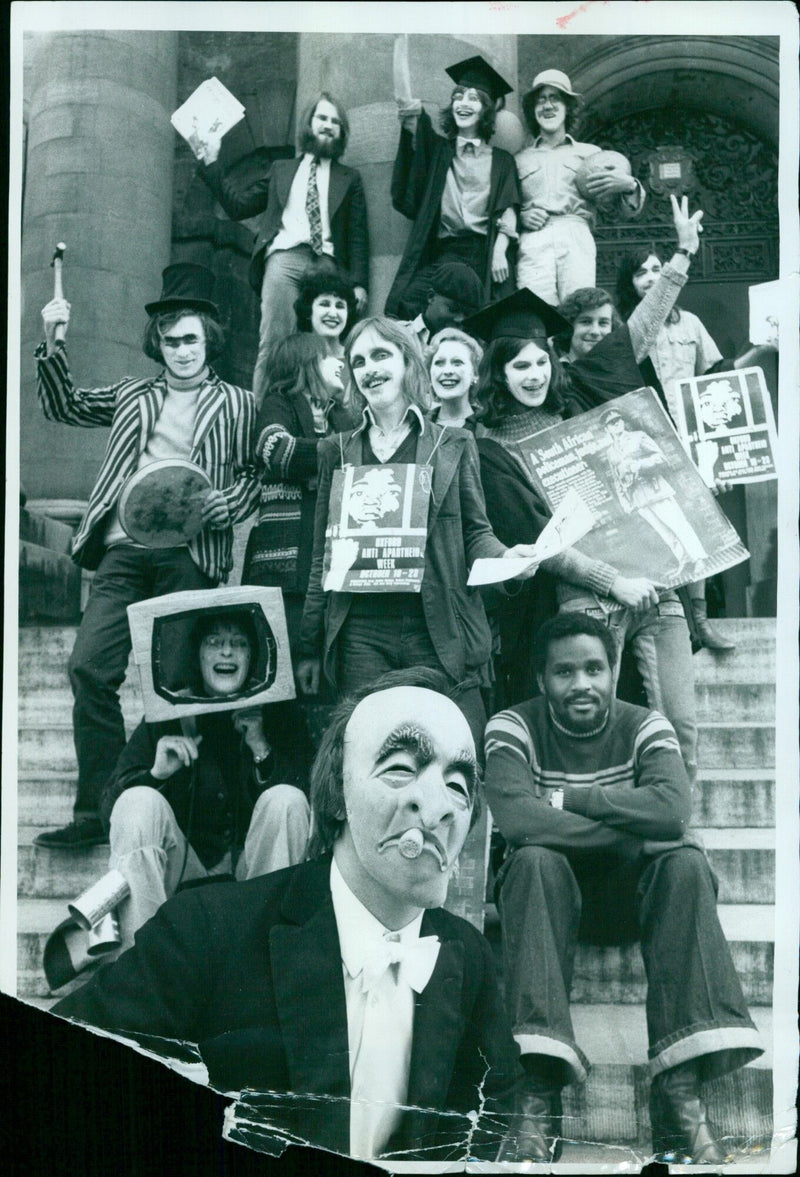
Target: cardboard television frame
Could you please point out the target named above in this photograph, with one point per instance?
(263, 609)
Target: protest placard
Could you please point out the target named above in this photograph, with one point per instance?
(727, 426)
(377, 529)
(653, 511)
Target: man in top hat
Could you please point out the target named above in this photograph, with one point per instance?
(185, 412)
(341, 980)
(313, 216)
(455, 292)
(557, 252)
(461, 194)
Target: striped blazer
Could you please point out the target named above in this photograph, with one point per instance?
(223, 446)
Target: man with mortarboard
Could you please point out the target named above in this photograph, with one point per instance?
(461, 194)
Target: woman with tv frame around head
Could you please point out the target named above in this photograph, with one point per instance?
(216, 795)
(355, 637)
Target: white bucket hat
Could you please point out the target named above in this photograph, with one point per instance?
(556, 79)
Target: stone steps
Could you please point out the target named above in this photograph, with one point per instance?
(734, 813)
(615, 973)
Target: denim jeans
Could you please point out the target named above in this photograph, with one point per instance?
(279, 289)
(99, 658)
(549, 900)
(370, 646)
(659, 638)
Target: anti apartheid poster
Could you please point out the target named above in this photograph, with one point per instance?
(727, 426)
(377, 529)
(654, 514)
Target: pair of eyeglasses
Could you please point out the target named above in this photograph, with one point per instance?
(215, 642)
(173, 342)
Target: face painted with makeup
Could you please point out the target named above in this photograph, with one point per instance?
(528, 375)
(378, 368)
(467, 107)
(183, 347)
(328, 316)
(224, 659)
(647, 275)
(589, 328)
(452, 373)
(409, 764)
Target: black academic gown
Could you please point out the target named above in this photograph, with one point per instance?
(418, 180)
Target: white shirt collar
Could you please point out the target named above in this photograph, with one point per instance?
(358, 928)
(567, 139)
(368, 419)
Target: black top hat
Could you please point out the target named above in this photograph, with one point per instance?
(476, 72)
(185, 287)
(523, 315)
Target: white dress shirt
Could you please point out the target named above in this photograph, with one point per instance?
(380, 1016)
(295, 229)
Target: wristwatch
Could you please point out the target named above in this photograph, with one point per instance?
(690, 253)
(557, 799)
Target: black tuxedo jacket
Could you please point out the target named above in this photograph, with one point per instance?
(252, 973)
(259, 185)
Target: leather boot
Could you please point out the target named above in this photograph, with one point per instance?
(681, 1132)
(534, 1129)
(708, 637)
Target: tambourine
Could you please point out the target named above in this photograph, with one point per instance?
(161, 504)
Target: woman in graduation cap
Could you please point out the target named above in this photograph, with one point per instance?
(461, 194)
(357, 635)
(520, 393)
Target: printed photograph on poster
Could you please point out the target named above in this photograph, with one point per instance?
(376, 540)
(652, 507)
(727, 424)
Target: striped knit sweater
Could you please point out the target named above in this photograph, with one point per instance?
(624, 785)
(222, 445)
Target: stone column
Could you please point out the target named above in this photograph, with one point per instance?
(357, 69)
(99, 169)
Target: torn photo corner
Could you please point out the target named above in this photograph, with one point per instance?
(93, 129)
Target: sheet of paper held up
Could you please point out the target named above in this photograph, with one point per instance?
(570, 522)
(209, 112)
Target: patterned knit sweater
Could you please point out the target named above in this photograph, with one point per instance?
(623, 785)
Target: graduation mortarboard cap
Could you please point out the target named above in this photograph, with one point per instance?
(476, 73)
(523, 315)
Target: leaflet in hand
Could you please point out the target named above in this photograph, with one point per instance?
(208, 113)
(570, 523)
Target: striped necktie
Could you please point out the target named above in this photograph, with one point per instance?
(312, 209)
